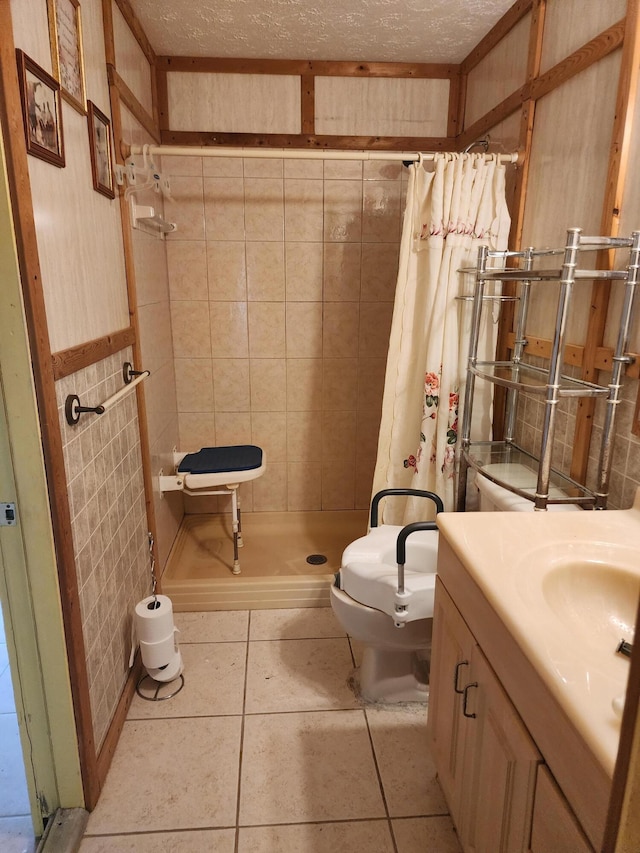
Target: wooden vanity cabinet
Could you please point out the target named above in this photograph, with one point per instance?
(486, 760)
(554, 828)
(467, 627)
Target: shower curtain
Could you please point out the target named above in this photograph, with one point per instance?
(450, 211)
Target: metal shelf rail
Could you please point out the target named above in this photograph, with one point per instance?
(516, 376)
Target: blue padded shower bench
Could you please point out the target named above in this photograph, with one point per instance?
(218, 471)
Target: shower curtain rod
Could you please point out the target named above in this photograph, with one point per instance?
(301, 154)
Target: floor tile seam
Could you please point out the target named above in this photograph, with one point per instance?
(300, 711)
(423, 815)
(184, 643)
(236, 842)
(392, 834)
(15, 816)
(344, 820)
(377, 766)
(294, 639)
(182, 717)
(134, 834)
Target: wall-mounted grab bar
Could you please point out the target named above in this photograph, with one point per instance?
(73, 409)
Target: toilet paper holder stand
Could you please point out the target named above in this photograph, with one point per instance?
(155, 687)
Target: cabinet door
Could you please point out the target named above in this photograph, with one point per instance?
(555, 827)
(452, 647)
(500, 766)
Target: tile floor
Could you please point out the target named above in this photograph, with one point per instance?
(267, 750)
(16, 828)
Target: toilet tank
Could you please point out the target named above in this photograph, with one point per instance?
(495, 498)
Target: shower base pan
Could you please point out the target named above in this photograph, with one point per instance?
(275, 571)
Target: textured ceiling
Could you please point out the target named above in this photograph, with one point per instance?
(357, 30)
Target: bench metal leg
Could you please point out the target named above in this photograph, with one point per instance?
(236, 530)
(240, 542)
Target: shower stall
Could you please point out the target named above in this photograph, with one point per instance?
(281, 276)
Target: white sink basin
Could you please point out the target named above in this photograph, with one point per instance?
(586, 590)
(597, 602)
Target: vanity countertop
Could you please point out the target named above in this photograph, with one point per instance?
(566, 587)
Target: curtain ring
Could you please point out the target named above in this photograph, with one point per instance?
(420, 160)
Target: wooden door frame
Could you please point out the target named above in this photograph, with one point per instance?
(43, 376)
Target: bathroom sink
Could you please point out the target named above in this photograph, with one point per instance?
(597, 601)
(566, 586)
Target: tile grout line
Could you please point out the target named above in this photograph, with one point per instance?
(379, 775)
(244, 703)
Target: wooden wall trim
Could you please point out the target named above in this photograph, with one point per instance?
(593, 51)
(308, 104)
(574, 354)
(107, 26)
(504, 26)
(136, 29)
(581, 59)
(133, 104)
(527, 116)
(155, 96)
(301, 140)
(26, 242)
(616, 176)
(66, 362)
(115, 729)
(457, 90)
(300, 67)
(163, 98)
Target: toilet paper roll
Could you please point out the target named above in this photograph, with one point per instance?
(172, 670)
(154, 618)
(155, 655)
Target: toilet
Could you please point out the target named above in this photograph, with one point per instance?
(495, 498)
(395, 628)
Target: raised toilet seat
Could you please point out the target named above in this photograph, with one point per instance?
(369, 572)
(218, 471)
(387, 582)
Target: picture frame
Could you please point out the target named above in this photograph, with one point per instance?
(100, 150)
(65, 35)
(41, 111)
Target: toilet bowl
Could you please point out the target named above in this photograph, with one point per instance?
(389, 609)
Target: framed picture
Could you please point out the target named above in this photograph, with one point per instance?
(100, 149)
(65, 35)
(41, 111)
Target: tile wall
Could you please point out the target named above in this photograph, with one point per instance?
(625, 471)
(282, 277)
(109, 524)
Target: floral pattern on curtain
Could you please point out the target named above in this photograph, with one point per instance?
(450, 211)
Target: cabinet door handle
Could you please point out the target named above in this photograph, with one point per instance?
(455, 675)
(464, 700)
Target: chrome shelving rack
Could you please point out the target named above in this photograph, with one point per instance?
(517, 376)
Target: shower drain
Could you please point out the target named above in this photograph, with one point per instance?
(316, 559)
